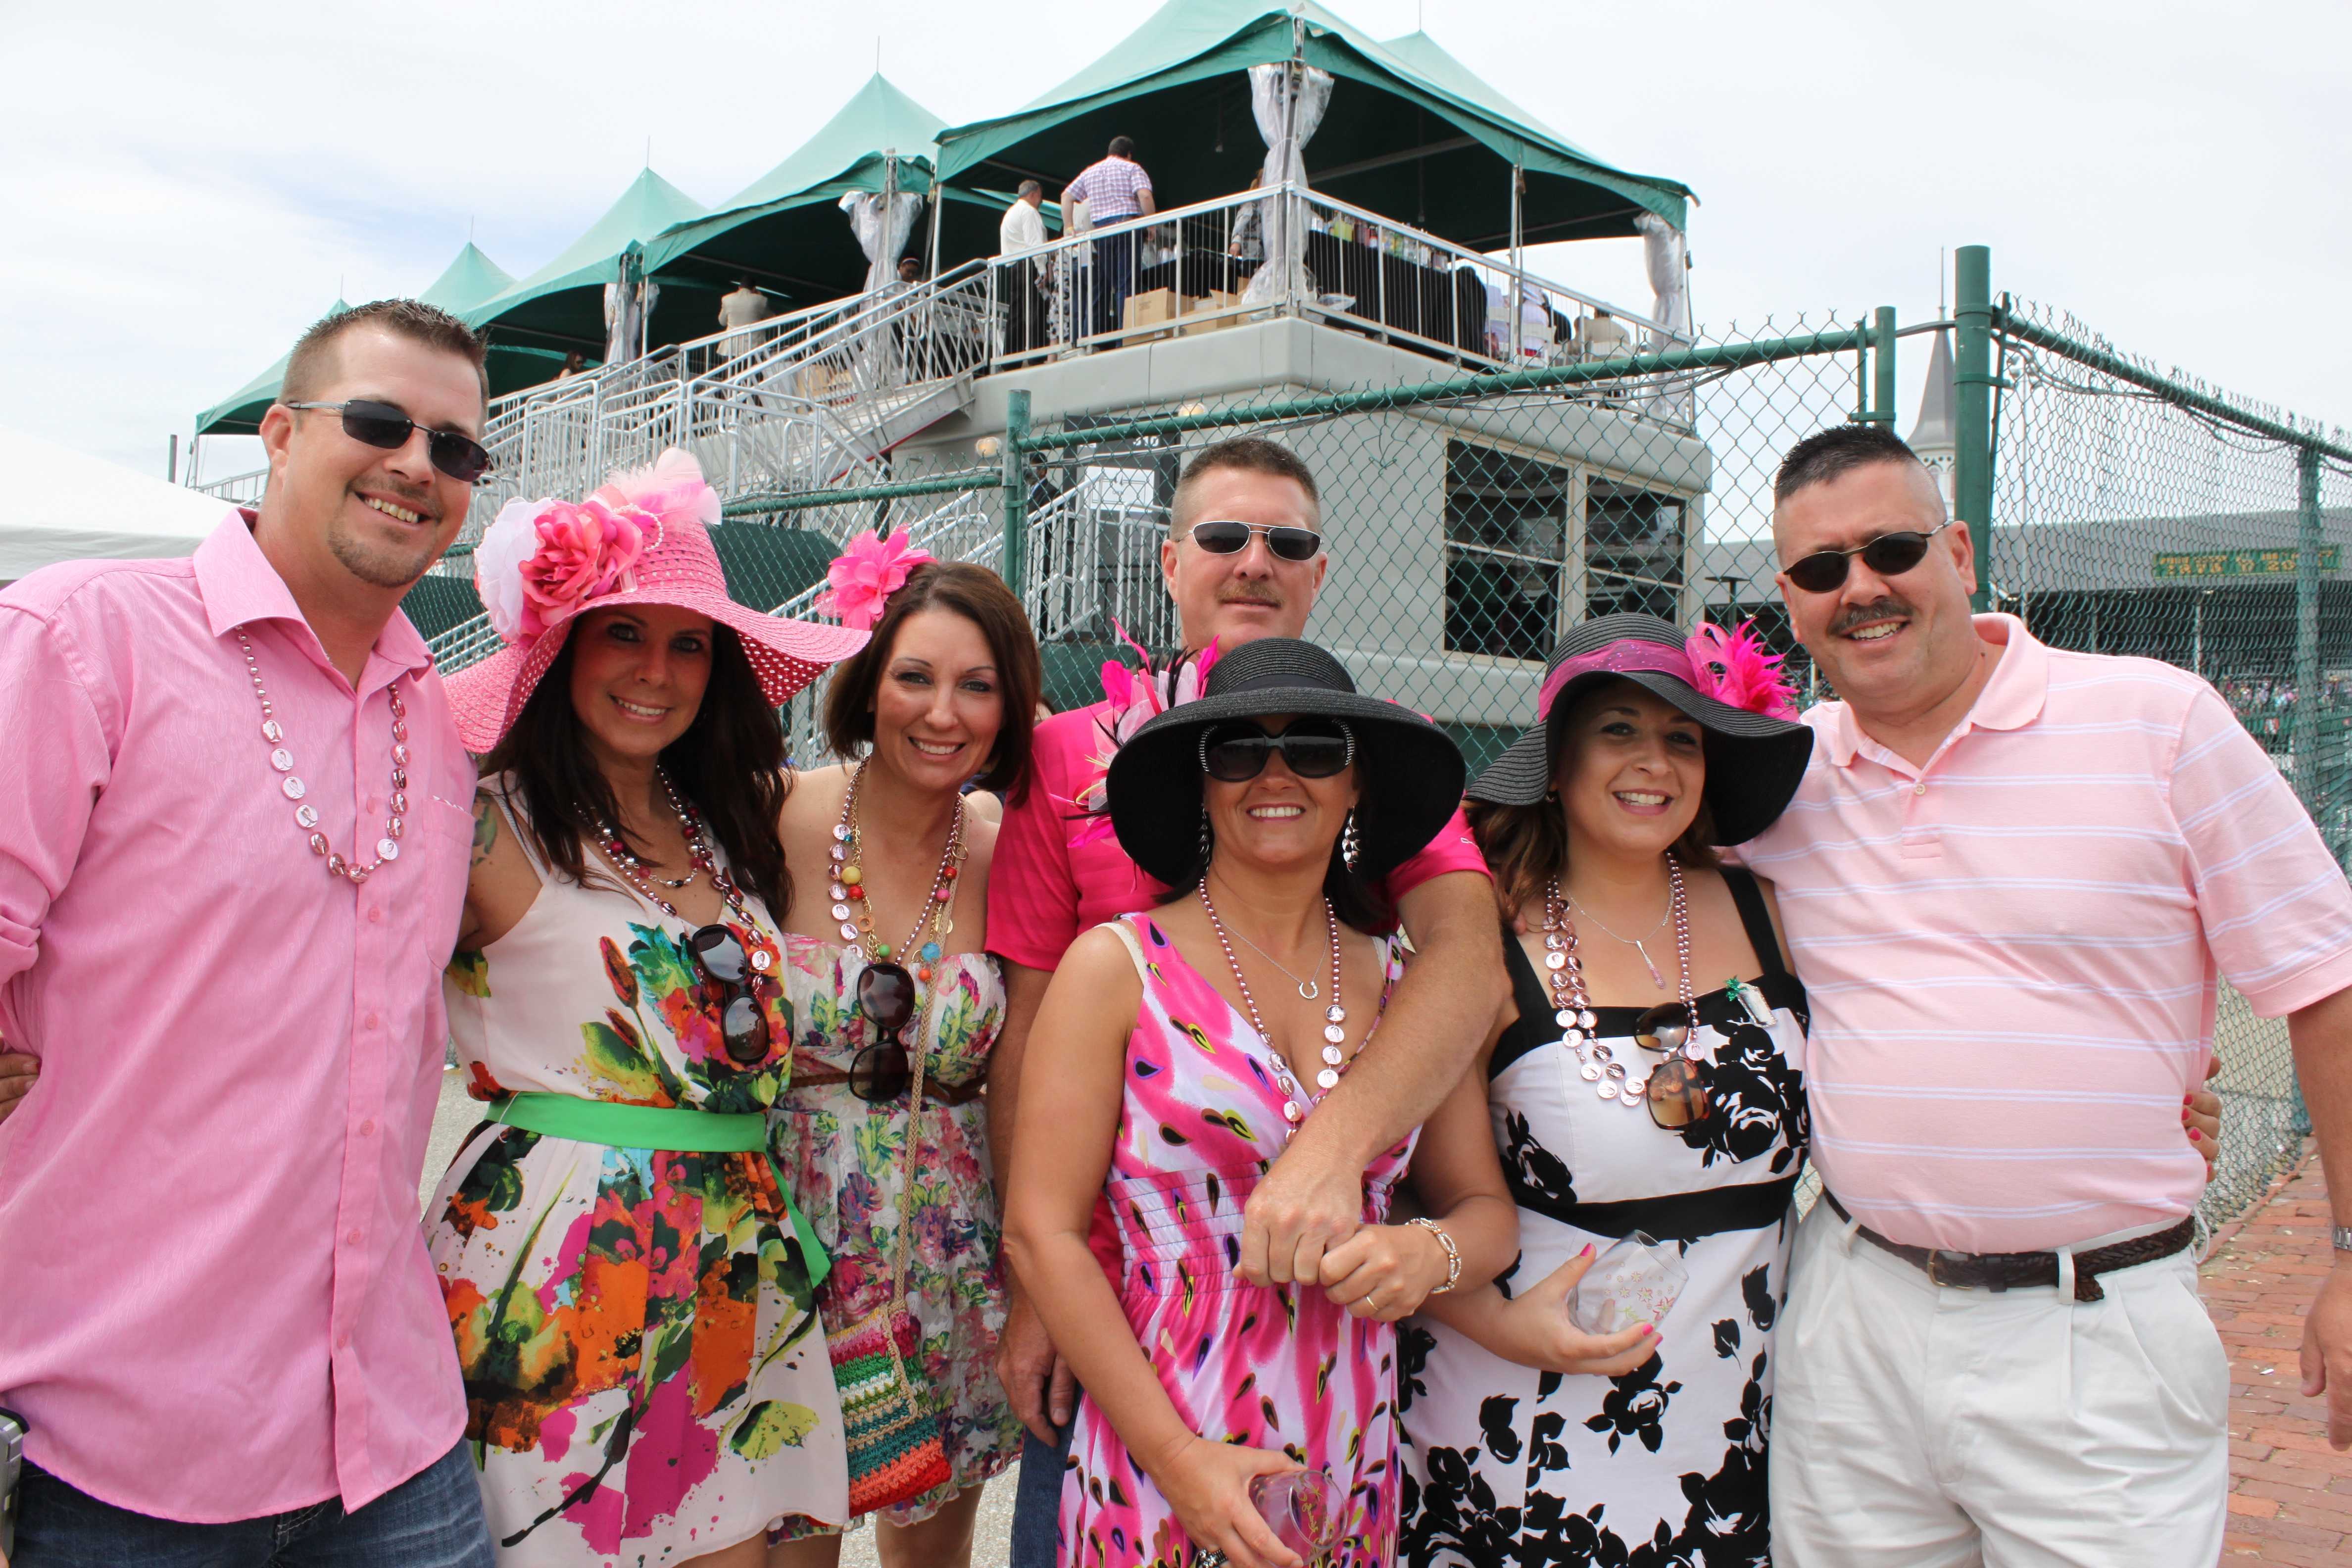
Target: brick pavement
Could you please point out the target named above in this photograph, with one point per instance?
(2290, 1494)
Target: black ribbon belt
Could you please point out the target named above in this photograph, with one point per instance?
(1684, 1216)
(2023, 1270)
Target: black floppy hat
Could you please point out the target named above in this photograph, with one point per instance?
(1411, 768)
(1754, 761)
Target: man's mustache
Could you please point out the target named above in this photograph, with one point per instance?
(1877, 609)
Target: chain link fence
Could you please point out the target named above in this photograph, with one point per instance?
(1471, 518)
(2142, 513)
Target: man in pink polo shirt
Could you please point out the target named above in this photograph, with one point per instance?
(1243, 560)
(2011, 880)
(234, 832)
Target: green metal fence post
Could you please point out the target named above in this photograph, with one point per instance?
(2308, 544)
(1884, 398)
(1972, 408)
(1017, 492)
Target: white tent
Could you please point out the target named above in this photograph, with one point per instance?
(69, 506)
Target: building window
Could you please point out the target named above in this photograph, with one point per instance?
(1632, 551)
(1506, 551)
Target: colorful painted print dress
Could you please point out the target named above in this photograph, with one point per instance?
(1272, 1367)
(843, 1157)
(646, 1374)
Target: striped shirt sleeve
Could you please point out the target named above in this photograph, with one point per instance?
(2277, 910)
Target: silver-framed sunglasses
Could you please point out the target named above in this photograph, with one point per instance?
(1229, 536)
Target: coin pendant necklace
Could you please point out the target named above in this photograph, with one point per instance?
(305, 816)
(1597, 1059)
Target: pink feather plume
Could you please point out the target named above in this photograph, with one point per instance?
(1734, 667)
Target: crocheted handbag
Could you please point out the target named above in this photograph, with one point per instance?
(896, 1451)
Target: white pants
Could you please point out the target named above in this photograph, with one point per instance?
(1943, 1428)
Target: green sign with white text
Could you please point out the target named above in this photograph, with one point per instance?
(2240, 563)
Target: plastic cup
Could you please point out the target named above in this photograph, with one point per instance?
(1302, 1508)
(1637, 1281)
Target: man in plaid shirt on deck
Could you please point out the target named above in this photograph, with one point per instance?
(1115, 190)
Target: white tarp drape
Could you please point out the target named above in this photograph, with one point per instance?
(1287, 101)
(882, 232)
(628, 306)
(1663, 251)
(1669, 265)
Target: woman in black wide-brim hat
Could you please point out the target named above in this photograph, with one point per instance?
(1647, 1076)
(1173, 1057)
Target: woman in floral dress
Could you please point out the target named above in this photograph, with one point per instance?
(942, 697)
(631, 1291)
(1173, 1057)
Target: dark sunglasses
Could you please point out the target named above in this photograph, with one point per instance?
(1889, 555)
(1223, 537)
(1677, 1090)
(461, 457)
(742, 1022)
(1311, 747)
(886, 994)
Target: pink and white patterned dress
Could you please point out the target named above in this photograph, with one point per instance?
(1271, 1367)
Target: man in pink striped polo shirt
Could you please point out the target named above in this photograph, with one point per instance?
(2011, 880)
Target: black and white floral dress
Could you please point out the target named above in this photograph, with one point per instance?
(1506, 1465)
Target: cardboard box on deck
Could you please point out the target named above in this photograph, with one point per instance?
(1215, 299)
(820, 380)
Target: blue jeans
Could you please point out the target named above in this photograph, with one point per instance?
(432, 1519)
(1037, 1503)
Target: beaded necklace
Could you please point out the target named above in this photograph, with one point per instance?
(1572, 1003)
(1334, 1019)
(699, 855)
(855, 909)
(305, 816)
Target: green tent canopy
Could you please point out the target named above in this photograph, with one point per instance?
(1410, 132)
(561, 307)
(785, 232)
(467, 282)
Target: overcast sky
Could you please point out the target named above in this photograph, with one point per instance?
(186, 188)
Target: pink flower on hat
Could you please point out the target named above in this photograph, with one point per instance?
(541, 561)
(863, 577)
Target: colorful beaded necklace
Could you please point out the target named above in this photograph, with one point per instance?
(854, 910)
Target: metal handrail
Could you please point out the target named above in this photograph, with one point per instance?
(1067, 261)
(236, 488)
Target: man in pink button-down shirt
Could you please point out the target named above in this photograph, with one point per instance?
(216, 1315)
(2012, 880)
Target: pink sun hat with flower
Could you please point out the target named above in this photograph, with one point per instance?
(642, 538)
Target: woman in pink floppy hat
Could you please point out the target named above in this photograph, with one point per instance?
(631, 1288)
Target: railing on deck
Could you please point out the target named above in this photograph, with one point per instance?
(1190, 270)
(237, 489)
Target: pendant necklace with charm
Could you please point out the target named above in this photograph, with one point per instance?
(1657, 978)
(1294, 1102)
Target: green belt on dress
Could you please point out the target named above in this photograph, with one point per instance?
(681, 1132)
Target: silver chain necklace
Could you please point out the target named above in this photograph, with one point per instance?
(1308, 990)
(1295, 1103)
(1657, 978)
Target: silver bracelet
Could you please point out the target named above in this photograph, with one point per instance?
(1452, 1253)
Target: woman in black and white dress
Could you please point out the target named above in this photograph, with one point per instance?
(1525, 1440)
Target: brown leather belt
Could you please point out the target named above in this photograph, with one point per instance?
(934, 1092)
(2023, 1270)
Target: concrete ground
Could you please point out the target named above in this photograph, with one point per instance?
(991, 1547)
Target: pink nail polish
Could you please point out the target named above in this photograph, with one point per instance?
(1649, 1331)
(2194, 1136)
(1587, 1252)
